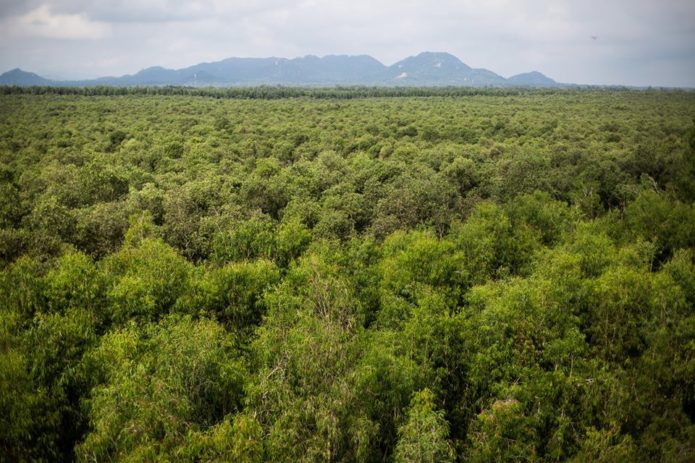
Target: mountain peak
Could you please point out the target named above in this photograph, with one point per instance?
(17, 76)
(434, 59)
(438, 55)
(438, 68)
(18, 72)
(532, 79)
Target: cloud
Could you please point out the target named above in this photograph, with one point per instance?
(43, 23)
(640, 42)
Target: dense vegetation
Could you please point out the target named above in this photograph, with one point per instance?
(272, 92)
(502, 277)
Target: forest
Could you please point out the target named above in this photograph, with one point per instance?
(339, 275)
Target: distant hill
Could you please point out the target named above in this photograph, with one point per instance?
(425, 69)
(22, 78)
(532, 79)
(441, 69)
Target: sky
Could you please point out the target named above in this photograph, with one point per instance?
(626, 42)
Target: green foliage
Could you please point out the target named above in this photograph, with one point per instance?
(423, 438)
(606, 446)
(550, 218)
(57, 343)
(41, 383)
(412, 264)
(22, 288)
(74, 282)
(233, 293)
(305, 352)
(239, 440)
(248, 239)
(618, 304)
(161, 382)
(115, 139)
(669, 224)
(147, 280)
(502, 433)
(305, 274)
(493, 247)
(18, 404)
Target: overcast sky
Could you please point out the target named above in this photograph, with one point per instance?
(632, 42)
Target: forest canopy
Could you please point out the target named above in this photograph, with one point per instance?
(475, 276)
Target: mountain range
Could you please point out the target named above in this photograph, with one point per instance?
(424, 69)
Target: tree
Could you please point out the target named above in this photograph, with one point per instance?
(423, 437)
(146, 280)
(160, 383)
(502, 433)
(233, 294)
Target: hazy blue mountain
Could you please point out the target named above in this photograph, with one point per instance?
(22, 78)
(442, 68)
(532, 79)
(430, 68)
(337, 69)
(331, 69)
(424, 69)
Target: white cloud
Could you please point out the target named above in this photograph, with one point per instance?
(43, 23)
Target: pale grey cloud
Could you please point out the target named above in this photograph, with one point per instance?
(44, 23)
(634, 42)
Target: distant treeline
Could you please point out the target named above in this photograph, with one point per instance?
(275, 92)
